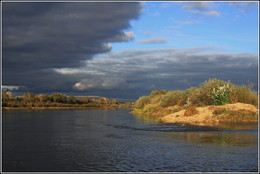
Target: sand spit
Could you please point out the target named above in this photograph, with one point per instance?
(207, 117)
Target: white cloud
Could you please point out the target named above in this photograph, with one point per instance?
(243, 4)
(197, 6)
(180, 24)
(153, 40)
(71, 71)
(244, 7)
(100, 83)
(166, 5)
(11, 88)
(201, 8)
(212, 13)
(189, 22)
(129, 36)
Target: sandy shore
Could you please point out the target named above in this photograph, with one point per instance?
(206, 116)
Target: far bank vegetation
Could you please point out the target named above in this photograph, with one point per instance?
(55, 100)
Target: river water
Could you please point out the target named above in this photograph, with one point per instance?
(116, 141)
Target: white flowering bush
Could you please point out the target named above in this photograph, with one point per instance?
(188, 103)
(221, 95)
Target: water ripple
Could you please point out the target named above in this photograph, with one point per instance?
(166, 127)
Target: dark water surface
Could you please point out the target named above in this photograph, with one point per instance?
(114, 141)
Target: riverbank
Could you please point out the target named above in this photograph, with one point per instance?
(121, 105)
(215, 115)
(29, 101)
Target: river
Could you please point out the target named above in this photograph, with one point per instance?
(103, 140)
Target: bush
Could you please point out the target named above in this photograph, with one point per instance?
(244, 94)
(142, 101)
(221, 95)
(150, 108)
(157, 92)
(212, 91)
(194, 95)
(206, 89)
(191, 110)
(173, 98)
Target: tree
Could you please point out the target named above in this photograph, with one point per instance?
(29, 97)
(7, 96)
(104, 100)
(85, 99)
(114, 101)
(59, 98)
(43, 98)
(71, 99)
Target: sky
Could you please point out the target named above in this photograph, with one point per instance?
(124, 50)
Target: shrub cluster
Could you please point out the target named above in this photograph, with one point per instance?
(244, 94)
(172, 98)
(142, 101)
(210, 92)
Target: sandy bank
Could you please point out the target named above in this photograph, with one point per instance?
(207, 117)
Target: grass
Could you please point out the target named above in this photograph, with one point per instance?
(235, 115)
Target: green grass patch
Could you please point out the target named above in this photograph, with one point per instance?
(241, 114)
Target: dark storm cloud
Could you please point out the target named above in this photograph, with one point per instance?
(41, 36)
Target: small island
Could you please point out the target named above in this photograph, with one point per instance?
(213, 103)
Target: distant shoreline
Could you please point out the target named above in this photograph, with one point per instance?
(126, 105)
(29, 101)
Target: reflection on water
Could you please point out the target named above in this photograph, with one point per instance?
(143, 118)
(116, 141)
(230, 134)
(146, 119)
(238, 126)
(223, 138)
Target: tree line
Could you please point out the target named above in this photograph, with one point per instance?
(52, 100)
